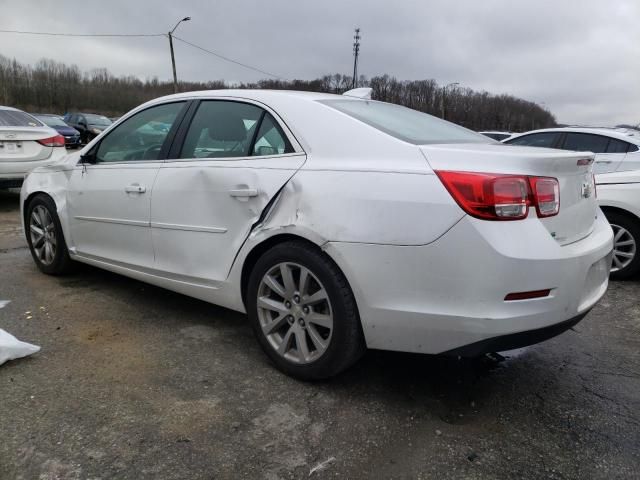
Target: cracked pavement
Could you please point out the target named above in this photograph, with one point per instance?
(136, 382)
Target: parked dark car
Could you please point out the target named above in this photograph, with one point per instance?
(89, 125)
(70, 134)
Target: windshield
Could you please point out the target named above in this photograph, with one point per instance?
(16, 118)
(51, 121)
(406, 124)
(97, 120)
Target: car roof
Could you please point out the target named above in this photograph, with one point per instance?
(2, 107)
(627, 135)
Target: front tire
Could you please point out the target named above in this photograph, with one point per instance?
(626, 241)
(303, 312)
(45, 237)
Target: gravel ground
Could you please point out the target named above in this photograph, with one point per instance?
(135, 382)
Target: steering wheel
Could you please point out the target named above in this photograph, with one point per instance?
(152, 152)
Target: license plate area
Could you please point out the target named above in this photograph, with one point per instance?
(11, 148)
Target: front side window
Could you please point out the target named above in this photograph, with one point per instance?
(141, 136)
(585, 142)
(221, 129)
(406, 124)
(542, 139)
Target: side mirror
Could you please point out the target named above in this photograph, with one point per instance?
(89, 158)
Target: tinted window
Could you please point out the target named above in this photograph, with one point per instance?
(141, 136)
(497, 136)
(270, 139)
(406, 124)
(221, 129)
(542, 139)
(51, 121)
(633, 148)
(16, 118)
(585, 142)
(617, 146)
(98, 120)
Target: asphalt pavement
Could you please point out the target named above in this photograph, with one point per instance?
(136, 382)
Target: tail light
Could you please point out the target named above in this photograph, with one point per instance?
(57, 141)
(546, 191)
(502, 197)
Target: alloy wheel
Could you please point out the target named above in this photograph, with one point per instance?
(295, 313)
(43, 235)
(624, 248)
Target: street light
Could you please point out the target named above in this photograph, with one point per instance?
(444, 93)
(173, 58)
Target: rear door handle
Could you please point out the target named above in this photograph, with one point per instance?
(604, 161)
(135, 188)
(244, 192)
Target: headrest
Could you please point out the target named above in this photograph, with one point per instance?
(225, 126)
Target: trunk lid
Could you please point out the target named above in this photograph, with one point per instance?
(21, 143)
(573, 170)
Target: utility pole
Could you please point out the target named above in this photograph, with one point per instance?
(356, 52)
(444, 94)
(173, 58)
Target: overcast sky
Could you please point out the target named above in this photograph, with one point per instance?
(580, 58)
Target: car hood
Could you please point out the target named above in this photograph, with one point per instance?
(99, 127)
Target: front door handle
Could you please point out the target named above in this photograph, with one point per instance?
(135, 188)
(244, 192)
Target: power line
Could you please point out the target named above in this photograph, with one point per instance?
(229, 59)
(55, 34)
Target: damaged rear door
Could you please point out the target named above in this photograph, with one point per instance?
(230, 160)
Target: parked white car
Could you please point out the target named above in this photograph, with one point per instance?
(337, 223)
(617, 168)
(25, 143)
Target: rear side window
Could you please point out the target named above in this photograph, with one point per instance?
(16, 118)
(406, 124)
(617, 146)
(270, 139)
(585, 142)
(226, 129)
(542, 139)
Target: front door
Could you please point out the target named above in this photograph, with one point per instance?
(235, 157)
(109, 199)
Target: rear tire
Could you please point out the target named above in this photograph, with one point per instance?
(626, 242)
(45, 237)
(303, 312)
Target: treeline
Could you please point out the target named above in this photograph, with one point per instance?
(50, 86)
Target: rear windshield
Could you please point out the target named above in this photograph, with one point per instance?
(51, 120)
(97, 119)
(16, 118)
(406, 124)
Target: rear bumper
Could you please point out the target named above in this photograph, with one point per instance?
(515, 340)
(17, 170)
(450, 294)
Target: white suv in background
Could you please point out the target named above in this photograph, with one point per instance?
(25, 143)
(617, 169)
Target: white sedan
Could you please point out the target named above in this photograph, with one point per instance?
(617, 169)
(335, 222)
(25, 143)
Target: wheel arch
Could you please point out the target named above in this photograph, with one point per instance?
(259, 249)
(620, 211)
